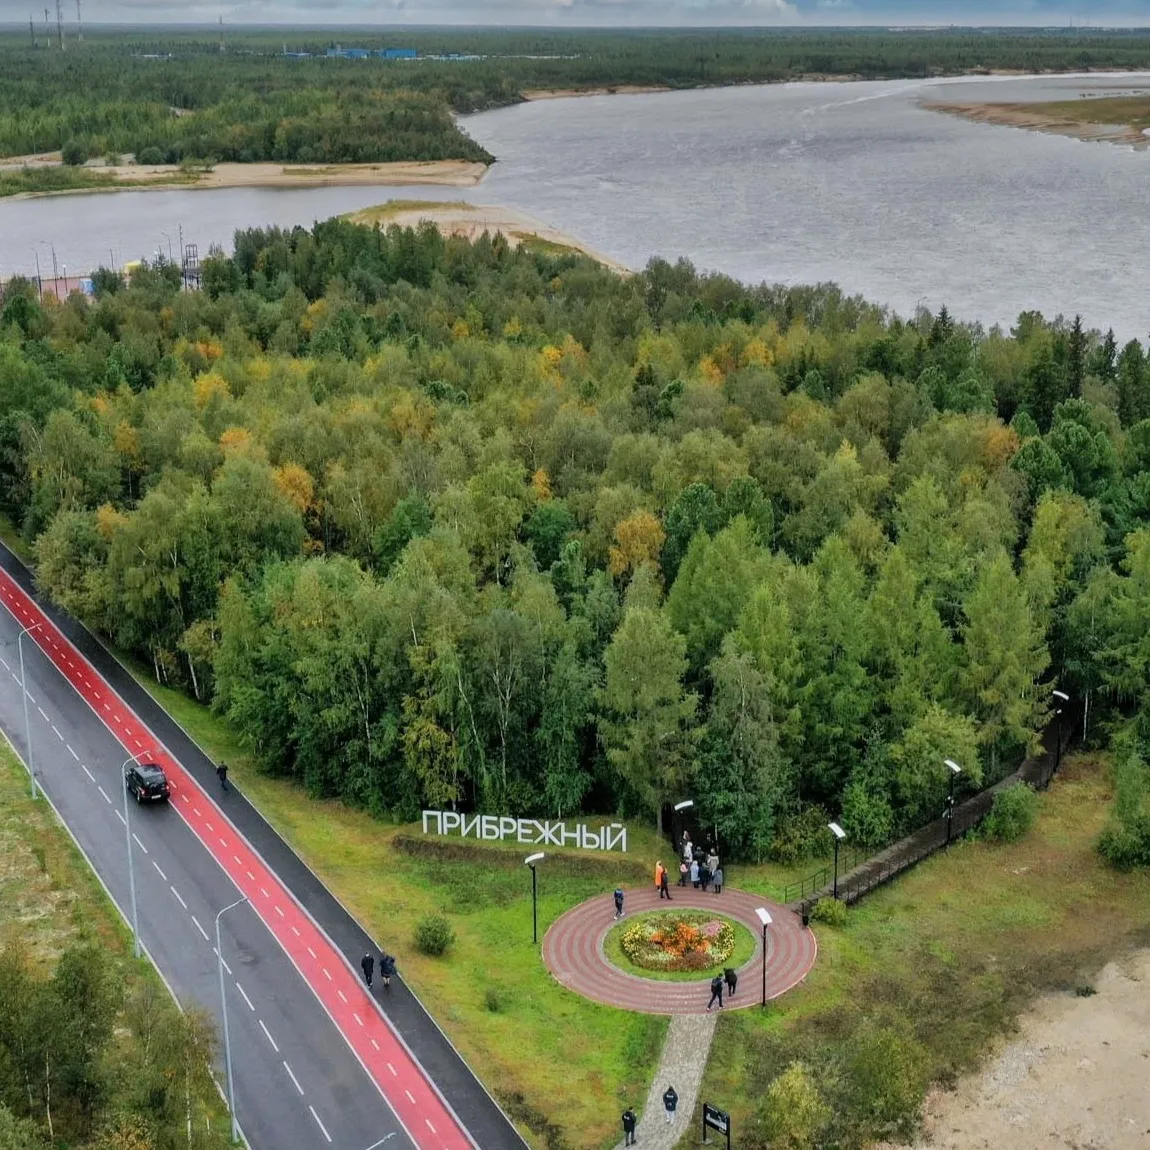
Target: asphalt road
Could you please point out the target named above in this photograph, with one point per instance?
(317, 1061)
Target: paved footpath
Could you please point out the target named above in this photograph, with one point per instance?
(573, 952)
(682, 1065)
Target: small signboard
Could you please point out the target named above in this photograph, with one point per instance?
(716, 1119)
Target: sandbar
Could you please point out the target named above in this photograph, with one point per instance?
(1048, 118)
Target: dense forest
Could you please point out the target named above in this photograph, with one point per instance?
(440, 523)
(168, 96)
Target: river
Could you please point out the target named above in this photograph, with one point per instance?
(794, 183)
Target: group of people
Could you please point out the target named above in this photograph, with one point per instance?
(386, 968)
(700, 867)
(670, 1105)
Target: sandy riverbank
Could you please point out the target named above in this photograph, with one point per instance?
(1074, 1077)
(472, 220)
(1041, 118)
(442, 173)
(569, 93)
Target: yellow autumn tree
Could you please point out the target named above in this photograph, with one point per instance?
(639, 539)
(297, 484)
(236, 441)
(541, 484)
(210, 386)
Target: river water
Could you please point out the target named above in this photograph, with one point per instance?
(793, 183)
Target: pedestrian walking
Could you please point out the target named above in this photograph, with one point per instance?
(670, 1101)
(664, 891)
(717, 879)
(684, 872)
(367, 964)
(732, 980)
(716, 992)
(688, 850)
(712, 862)
(386, 968)
(628, 1127)
(704, 877)
(618, 903)
(658, 875)
(222, 775)
(695, 873)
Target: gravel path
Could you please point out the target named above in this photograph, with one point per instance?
(682, 1065)
(573, 952)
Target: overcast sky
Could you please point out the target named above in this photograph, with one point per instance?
(575, 13)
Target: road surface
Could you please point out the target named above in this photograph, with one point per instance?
(319, 1061)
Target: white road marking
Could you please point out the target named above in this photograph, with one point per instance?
(158, 871)
(295, 931)
(177, 894)
(251, 876)
(244, 995)
(210, 827)
(91, 776)
(295, 1081)
(264, 893)
(225, 965)
(236, 857)
(392, 1069)
(73, 754)
(327, 974)
(138, 843)
(375, 1044)
(357, 1018)
(410, 1097)
(312, 952)
(200, 928)
(342, 996)
(280, 912)
(268, 1035)
(429, 1126)
(58, 735)
(196, 811)
(319, 1123)
(137, 742)
(6, 667)
(41, 710)
(223, 842)
(104, 793)
(107, 706)
(120, 815)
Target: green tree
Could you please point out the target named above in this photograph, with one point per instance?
(922, 778)
(696, 509)
(793, 1114)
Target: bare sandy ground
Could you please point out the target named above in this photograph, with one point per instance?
(1021, 116)
(472, 220)
(568, 93)
(1077, 1077)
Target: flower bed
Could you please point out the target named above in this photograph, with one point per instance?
(679, 940)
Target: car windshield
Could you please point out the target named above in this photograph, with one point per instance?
(151, 774)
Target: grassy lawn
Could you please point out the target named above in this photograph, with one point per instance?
(952, 951)
(1129, 111)
(613, 947)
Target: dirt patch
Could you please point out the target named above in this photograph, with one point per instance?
(569, 93)
(1075, 1076)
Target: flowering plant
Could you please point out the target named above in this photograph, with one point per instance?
(682, 940)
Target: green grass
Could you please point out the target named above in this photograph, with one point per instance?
(42, 181)
(1130, 111)
(954, 950)
(613, 947)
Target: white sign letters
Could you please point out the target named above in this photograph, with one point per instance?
(529, 832)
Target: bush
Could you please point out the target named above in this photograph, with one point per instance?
(151, 155)
(801, 835)
(74, 153)
(1012, 814)
(433, 935)
(831, 911)
(1125, 843)
(495, 999)
(883, 1082)
(793, 1114)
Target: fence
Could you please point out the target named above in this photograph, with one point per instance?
(856, 881)
(823, 877)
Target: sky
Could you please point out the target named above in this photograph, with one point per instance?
(596, 13)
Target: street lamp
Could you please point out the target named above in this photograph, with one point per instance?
(131, 860)
(531, 860)
(676, 843)
(955, 771)
(765, 919)
(24, 692)
(839, 834)
(1065, 698)
(224, 1011)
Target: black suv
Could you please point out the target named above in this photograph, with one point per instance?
(148, 783)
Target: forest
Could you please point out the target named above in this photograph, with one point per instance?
(442, 523)
(165, 96)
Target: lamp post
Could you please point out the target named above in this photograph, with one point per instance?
(131, 859)
(839, 834)
(224, 1012)
(24, 692)
(531, 860)
(765, 919)
(955, 771)
(1065, 698)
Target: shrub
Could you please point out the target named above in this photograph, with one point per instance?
(151, 155)
(793, 1114)
(74, 153)
(1125, 843)
(801, 835)
(831, 911)
(495, 999)
(1012, 814)
(433, 934)
(883, 1083)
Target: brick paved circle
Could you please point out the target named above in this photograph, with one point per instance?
(573, 951)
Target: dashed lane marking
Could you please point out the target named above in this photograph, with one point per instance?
(375, 1044)
(264, 893)
(91, 776)
(342, 996)
(395, 1073)
(138, 843)
(358, 1020)
(224, 963)
(120, 816)
(236, 858)
(410, 1097)
(327, 974)
(268, 1036)
(251, 876)
(295, 931)
(312, 952)
(177, 894)
(41, 710)
(73, 754)
(280, 912)
(158, 871)
(200, 928)
(430, 1127)
(104, 793)
(319, 1123)
(244, 996)
(295, 1081)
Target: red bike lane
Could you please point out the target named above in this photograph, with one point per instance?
(421, 1110)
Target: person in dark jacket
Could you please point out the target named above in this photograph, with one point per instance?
(618, 902)
(704, 876)
(670, 1101)
(628, 1127)
(222, 775)
(386, 968)
(664, 890)
(367, 964)
(716, 992)
(717, 879)
(732, 980)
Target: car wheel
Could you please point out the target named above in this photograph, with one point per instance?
(139, 799)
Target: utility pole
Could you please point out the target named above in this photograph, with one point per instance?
(47, 29)
(79, 23)
(222, 32)
(32, 31)
(60, 24)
